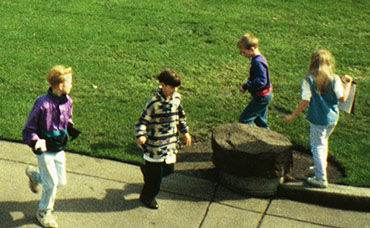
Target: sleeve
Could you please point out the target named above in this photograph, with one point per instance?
(30, 130)
(338, 87)
(72, 131)
(306, 90)
(258, 79)
(183, 128)
(141, 125)
(70, 122)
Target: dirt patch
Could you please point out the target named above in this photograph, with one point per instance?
(196, 160)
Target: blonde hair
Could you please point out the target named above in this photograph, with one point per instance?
(248, 41)
(58, 74)
(322, 69)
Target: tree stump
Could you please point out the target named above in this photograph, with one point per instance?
(251, 186)
(246, 153)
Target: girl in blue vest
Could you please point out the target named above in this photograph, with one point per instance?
(321, 91)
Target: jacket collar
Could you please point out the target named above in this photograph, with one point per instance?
(56, 98)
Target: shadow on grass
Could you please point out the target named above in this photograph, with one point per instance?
(129, 153)
(104, 146)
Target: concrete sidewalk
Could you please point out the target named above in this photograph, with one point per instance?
(104, 193)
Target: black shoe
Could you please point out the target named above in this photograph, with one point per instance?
(152, 204)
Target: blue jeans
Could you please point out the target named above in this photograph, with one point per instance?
(256, 111)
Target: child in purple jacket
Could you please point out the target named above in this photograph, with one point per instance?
(46, 133)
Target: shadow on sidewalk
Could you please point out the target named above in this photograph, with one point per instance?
(17, 214)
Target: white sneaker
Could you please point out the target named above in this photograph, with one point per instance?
(317, 182)
(46, 219)
(30, 171)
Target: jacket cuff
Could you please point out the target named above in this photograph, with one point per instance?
(245, 87)
(138, 136)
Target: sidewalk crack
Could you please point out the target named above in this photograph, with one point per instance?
(209, 204)
(264, 214)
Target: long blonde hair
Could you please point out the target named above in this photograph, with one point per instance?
(322, 69)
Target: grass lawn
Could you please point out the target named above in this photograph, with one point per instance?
(116, 48)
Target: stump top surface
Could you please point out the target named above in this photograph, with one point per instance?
(244, 137)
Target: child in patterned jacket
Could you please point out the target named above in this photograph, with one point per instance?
(157, 133)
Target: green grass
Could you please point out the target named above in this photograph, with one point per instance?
(120, 46)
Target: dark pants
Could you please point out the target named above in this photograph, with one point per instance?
(153, 174)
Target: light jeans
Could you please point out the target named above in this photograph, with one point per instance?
(52, 175)
(319, 136)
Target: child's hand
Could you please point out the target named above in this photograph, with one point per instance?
(40, 145)
(241, 89)
(187, 139)
(141, 140)
(347, 79)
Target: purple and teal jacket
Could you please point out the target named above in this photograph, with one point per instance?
(49, 119)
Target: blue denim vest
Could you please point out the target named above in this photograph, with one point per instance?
(323, 108)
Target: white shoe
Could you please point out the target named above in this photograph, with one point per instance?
(46, 219)
(30, 171)
(317, 182)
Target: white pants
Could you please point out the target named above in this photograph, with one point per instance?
(52, 175)
(319, 136)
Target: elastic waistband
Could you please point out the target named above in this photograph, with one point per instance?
(263, 93)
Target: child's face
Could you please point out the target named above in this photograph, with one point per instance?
(66, 86)
(168, 90)
(247, 53)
